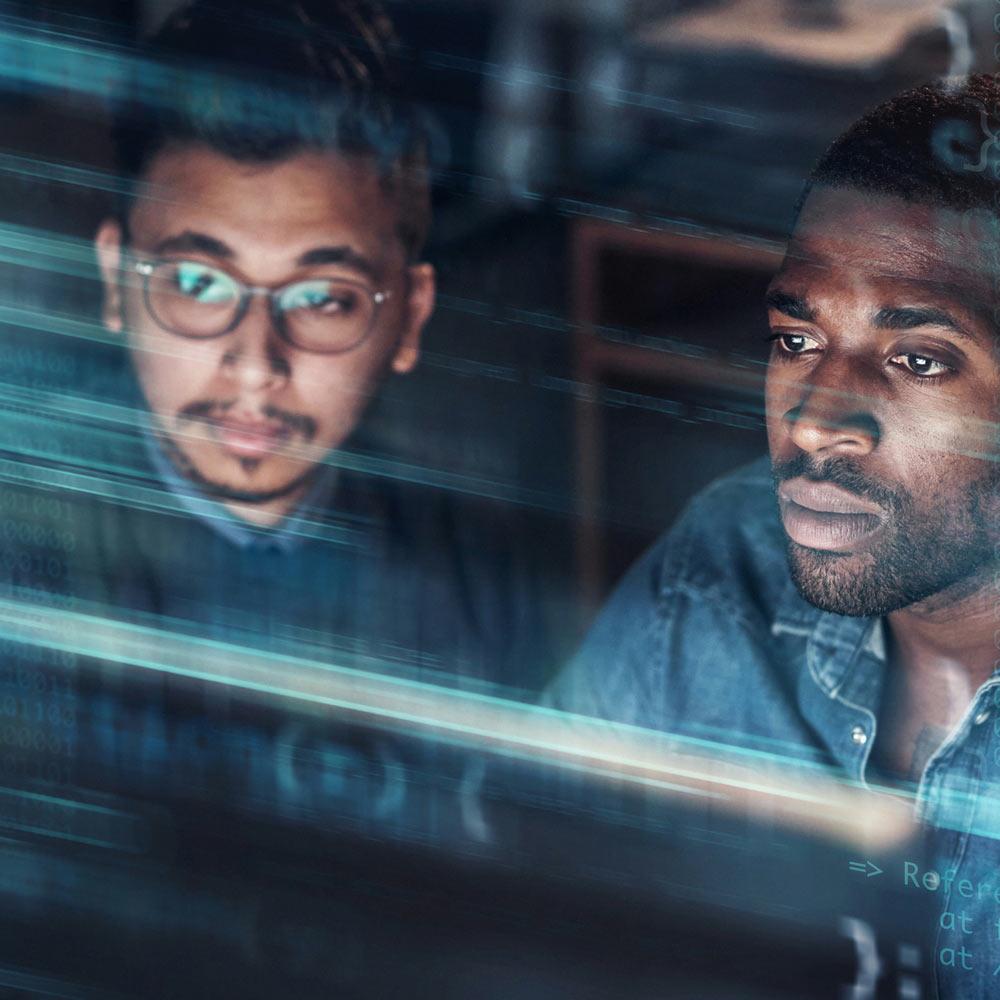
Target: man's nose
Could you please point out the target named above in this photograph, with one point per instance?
(833, 414)
(256, 356)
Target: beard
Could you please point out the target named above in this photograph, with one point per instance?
(924, 549)
(297, 424)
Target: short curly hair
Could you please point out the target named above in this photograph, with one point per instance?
(259, 80)
(937, 144)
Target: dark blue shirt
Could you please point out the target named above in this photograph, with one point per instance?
(708, 638)
(368, 569)
(369, 573)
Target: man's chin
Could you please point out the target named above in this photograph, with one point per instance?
(246, 480)
(252, 495)
(850, 584)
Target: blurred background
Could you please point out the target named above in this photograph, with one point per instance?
(615, 186)
(617, 179)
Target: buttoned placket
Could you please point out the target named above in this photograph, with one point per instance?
(951, 802)
(947, 793)
(839, 693)
(841, 687)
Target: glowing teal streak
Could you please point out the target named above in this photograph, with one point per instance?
(493, 724)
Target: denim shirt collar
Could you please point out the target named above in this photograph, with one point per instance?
(285, 536)
(840, 688)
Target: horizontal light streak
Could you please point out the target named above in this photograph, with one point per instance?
(759, 785)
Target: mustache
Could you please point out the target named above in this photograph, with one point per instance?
(843, 472)
(294, 423)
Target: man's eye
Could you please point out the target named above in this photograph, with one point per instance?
(204, 284)
(920, 365)
(793, 343)
(324, 297)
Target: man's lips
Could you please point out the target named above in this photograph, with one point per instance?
(824, 516)
(825, 497)
(249, 438)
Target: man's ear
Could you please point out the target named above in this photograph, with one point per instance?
(419, 306)
(108, 244)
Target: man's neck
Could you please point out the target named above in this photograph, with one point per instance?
(951, 632)
(940, 653)
(267, 515)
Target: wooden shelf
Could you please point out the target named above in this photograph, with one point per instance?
(678, 362)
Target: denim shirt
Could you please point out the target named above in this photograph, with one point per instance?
(707, 638)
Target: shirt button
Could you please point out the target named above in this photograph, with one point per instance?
(859, 736)
(982, 717)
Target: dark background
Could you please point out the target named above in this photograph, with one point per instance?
(618, 186)
(616, 189)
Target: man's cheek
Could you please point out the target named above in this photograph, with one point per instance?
(336, 395)
(777, 438)
(955, 447)
(337, 421)
(164, 392)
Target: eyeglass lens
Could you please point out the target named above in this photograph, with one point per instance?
(321, 314)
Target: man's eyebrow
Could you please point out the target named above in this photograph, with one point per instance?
(193, 242)
(345, 256)
(911, 317)
(793, 306)
(189, 241)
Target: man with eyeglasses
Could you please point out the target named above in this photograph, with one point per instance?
(265, 271)
(258, 339)
(263, 274)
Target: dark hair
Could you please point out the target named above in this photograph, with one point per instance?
(937, 144)
(259, 80)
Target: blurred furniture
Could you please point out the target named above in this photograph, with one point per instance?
(669, 377)
(836, 33)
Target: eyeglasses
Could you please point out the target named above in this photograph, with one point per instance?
(323, 315)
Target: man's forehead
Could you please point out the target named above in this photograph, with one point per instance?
(269, 220)
(885, 236)
(306, 190)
